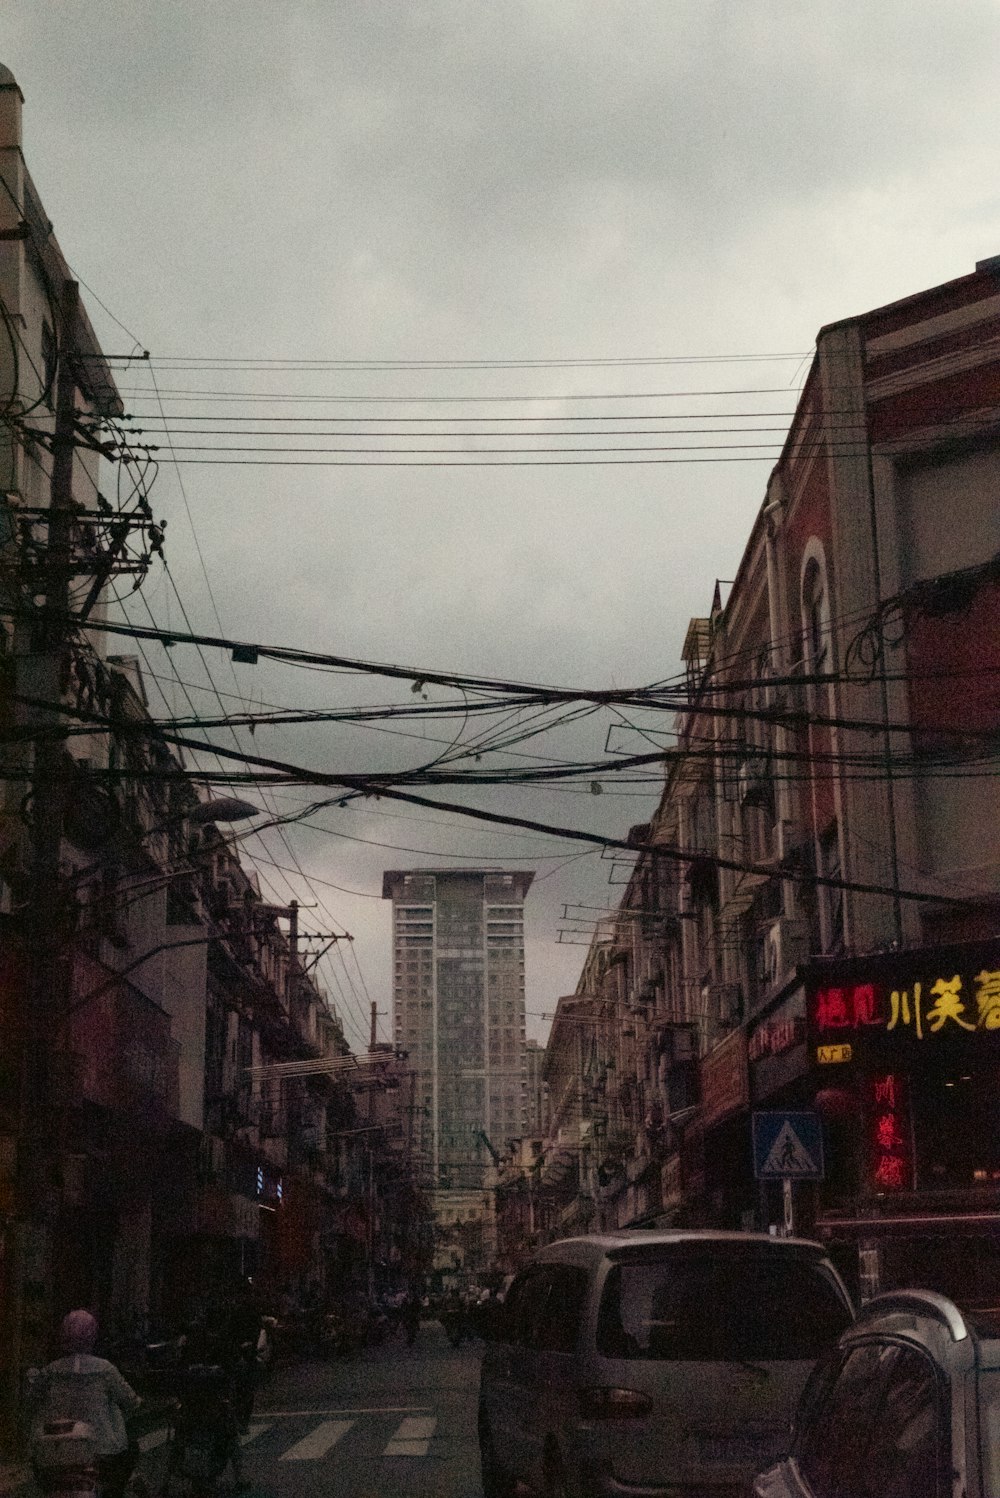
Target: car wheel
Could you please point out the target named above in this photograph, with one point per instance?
(496, 1480)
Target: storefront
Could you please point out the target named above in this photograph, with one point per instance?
(904, 1051)
(725, 1123)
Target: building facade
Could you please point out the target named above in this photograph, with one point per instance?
(458, 1007)
(178, 1105)
(535, 1103)
(812, 922)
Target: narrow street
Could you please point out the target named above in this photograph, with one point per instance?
(395, 1422)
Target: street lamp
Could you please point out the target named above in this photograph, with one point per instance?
(215, 809)
(218, 809)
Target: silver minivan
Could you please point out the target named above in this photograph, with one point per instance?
(653, 1364)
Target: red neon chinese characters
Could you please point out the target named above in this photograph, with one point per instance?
(890, 1173)
(846, 1008)
(890, 1150)
(885, 1091)
(887, 1134)
(864, 1005)
(831, 1009)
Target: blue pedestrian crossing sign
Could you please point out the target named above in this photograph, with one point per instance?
(787, 1146)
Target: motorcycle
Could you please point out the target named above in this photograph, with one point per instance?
(206, 1429)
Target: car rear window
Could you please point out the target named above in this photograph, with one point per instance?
(720, 1303)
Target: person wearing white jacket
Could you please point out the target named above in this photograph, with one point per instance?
(80, 1386)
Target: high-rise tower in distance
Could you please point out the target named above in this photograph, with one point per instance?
(458, 1012)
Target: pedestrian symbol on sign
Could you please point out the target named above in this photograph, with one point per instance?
(788, 1146)
(788, 1155)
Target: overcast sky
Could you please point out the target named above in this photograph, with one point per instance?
(443, 180)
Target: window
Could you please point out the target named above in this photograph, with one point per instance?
(831, 895)
(730, 1302)
(905, 1459)
(544, 1308)
(559, 1329)
(816, 615)
(832, 1446)
(526, 1308)
(880, 1431)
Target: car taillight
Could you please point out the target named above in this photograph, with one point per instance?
(614, 1404)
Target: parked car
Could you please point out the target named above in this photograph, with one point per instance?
(653, 1363)
(906, 1405)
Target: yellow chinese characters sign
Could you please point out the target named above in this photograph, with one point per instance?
(949, 992)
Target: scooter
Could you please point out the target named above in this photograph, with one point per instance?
(64, 1459)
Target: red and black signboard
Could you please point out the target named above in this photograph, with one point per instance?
(898, 1007)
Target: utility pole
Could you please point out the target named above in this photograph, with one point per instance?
(38, 1180)
(293, 950)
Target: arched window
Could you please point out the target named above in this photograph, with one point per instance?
(816, 612)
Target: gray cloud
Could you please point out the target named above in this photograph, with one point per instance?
(449, 179)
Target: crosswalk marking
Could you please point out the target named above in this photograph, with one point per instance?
(253, 1431)
(413, 1437)
(373, 1409)
(318, 1442)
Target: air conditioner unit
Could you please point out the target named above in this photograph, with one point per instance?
(784, 947)
(756, 787)
(685, 1043)
(725, 1004)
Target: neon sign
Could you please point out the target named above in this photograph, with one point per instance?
(919, 1008)
(889, 1137)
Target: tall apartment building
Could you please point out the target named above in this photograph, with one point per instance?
(535, 1100)
(458, 1007)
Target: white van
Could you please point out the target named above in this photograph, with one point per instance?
(662, 1364)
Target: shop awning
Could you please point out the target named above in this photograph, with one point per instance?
(908, 1225)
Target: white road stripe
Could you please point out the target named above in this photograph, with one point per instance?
(152, 1439)
(253, 1431)
(318, 1442)
(413, 1437)
(374, 1409)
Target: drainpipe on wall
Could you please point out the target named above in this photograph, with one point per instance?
(773, 510)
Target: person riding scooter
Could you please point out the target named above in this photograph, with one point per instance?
(82, 1387)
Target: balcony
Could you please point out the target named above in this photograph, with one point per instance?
(126, 1058)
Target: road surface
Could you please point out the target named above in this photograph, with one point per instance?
(394, 1422)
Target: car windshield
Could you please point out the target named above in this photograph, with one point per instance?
(723, 1302)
